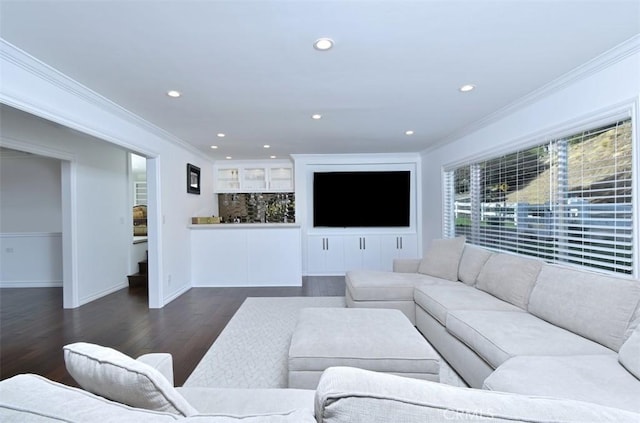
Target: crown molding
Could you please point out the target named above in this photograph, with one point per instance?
(12, 54)
(608, 58)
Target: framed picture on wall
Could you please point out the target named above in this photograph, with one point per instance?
(193, 179)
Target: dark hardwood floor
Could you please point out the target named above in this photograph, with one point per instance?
(34, 327)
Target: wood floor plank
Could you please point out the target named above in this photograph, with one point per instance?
(34, 327)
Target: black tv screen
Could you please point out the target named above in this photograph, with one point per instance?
(361, 199)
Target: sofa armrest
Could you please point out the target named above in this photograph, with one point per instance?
(406, 265)
(162, 362)
(370, 397)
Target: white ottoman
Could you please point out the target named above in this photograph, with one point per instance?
(382, 340)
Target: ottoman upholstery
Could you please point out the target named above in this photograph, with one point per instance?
(381, 340)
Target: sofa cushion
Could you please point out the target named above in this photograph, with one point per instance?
(442, 258)
(246, 402)
(594, 378)
(118, 377)
(358, 396)
(373, 285)
(438, 300)
(629, 355)
(596, 306)
(28, 397)
(294, 416)
(509, 277)
(497, 336)
(471, 263)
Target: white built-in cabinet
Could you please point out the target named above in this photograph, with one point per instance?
(333, 254)
(253, 176)
(246, 254)
(325, 254)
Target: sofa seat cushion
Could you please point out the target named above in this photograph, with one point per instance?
(592, 305)
(438, 300)
(594, 378)
(295, 416)
(29, 397)
(246, 402)
(509, 277)
(497, 336)
(373, 285)
(118, 377)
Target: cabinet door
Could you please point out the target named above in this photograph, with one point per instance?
(281, 179)
(274, 257)
(254, 179)
(219, 258)
(362, 252)
(227, 179)
(397, 246)
(325, 255)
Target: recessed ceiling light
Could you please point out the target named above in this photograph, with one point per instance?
(220, 135)
(408, 132)
(228, 157)
(467, 87)
(323, 44)
(266, 146)
(214, 147)
(272, 157)
(174, 93)
(316, 116)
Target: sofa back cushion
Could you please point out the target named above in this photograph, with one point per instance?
(359, 396)
(629, 355)
(509, 277)
(593, 305)
(443, 258)
(471, 263)
(118, 377)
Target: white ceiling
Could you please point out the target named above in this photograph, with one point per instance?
(248, 68)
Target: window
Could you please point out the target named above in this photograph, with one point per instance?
(567, 200)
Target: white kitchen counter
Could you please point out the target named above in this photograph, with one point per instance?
(246, 254)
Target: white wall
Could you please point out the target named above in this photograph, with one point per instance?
(30, 85)
(102, 207)
(29, 193)
(608, 84)
(30, 221)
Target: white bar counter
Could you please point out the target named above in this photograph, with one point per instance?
(246, 254)
(244, 225)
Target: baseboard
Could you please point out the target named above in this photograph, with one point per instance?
(101, 294)
(176, 294)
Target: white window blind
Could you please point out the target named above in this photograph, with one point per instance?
(568, 200)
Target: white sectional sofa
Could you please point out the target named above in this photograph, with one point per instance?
(120, 389)
(515, 324)
(547, 344)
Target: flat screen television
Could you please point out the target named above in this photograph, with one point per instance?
(362, 199)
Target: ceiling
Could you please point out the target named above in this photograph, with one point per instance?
(248, 68)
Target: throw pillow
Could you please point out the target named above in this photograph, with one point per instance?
(629, 354)
(118, 377)
(442, 258)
